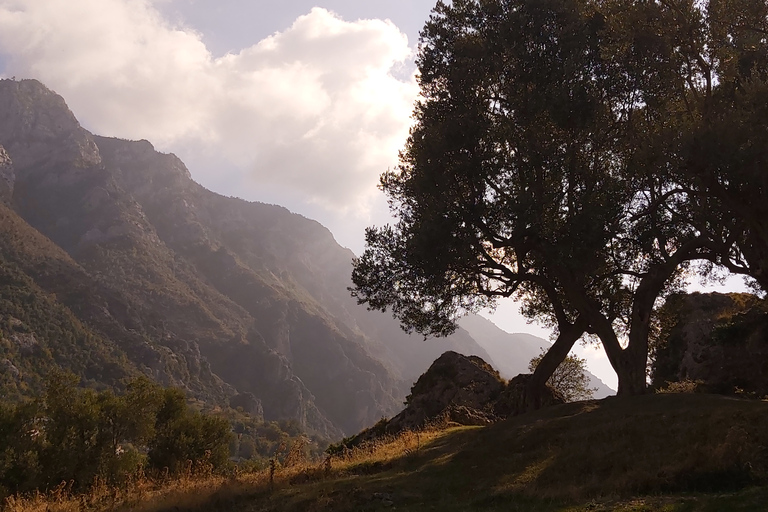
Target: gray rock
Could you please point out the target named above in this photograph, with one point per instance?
(39, 130)
(454, 387)
(8, 368)
(7, 177)
(457, 389)
(26, 342)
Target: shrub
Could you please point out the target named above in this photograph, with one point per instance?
(570, 378)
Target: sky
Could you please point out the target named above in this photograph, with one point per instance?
(300, 103)
(280, 102)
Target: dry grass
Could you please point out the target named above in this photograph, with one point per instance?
(663, 452)
(139, 493)
(683, 386)
(198, 488)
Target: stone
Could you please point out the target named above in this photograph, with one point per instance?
(7, 177)
(718, 340)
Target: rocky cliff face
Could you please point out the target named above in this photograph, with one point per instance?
(156, 280)
(719, 340)
(222, 297)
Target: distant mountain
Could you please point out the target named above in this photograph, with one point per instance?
(511, 353)
(114, 262)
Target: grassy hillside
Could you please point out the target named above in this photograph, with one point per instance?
(564, 456)
(676, 453)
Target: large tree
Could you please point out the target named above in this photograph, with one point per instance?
(709, 121)
(539, 168)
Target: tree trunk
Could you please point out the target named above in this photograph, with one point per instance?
(569, 334)
(628, 363)
(631, 373)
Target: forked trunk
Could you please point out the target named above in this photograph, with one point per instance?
(628, 363)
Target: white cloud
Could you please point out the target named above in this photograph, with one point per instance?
(316, 108)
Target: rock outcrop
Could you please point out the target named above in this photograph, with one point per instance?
(718, 340)
(458, 389)
(7, 177)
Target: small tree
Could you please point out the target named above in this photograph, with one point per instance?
(570, 379)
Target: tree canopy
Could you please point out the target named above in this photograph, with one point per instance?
(75, 435)
(563, 155)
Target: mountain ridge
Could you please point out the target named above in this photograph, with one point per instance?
(159, 276)
(219, 296)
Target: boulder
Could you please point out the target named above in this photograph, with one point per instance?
(514, 399)
(457, 389)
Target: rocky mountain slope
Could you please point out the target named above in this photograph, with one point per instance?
(115, 262)
(511, 353)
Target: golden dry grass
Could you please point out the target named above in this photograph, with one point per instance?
(197, 489)
(671, 452)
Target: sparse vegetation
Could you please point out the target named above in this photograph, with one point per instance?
(38, 334)
(683, 386)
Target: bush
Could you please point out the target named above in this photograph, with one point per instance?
(570, 379)
(77, 435)
(185, 436)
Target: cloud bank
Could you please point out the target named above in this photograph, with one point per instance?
(319, 108)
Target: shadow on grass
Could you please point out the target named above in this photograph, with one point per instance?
(672, 453)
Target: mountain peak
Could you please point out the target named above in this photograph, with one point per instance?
(39, 129)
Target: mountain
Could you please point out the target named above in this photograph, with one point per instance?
(511, 353)
(116, 263)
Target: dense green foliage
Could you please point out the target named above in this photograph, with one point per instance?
(704, 126)
(557, 157)
(76, 435)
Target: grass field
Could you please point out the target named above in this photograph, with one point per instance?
(670, 452)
